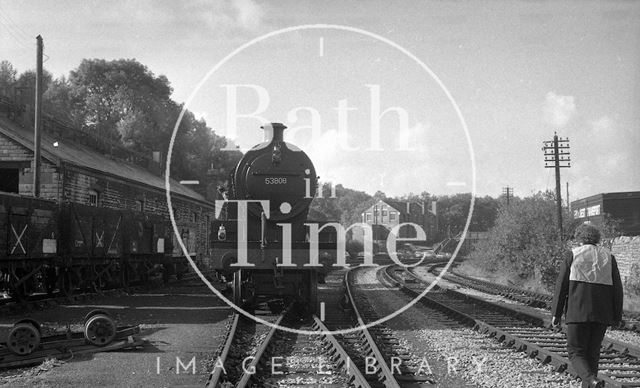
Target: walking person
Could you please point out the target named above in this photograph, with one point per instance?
(589, 290)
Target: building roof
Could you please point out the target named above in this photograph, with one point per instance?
(399, 206)
(82, 156)
(615, 195)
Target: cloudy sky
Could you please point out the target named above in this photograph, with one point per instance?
(376, 102)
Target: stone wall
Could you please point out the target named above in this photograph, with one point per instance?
(627, 252)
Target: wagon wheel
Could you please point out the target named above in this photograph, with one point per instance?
(24, 337)
(99, 328)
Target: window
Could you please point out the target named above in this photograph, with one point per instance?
(384, 212)
(93, 198)
(140, 205)
(392, 216)
(194, 217)
(368, 217)
(9, 180)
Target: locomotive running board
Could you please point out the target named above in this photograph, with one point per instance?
(68, 345)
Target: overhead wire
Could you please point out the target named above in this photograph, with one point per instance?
(18, 34)
(8, 28)
(25, 35)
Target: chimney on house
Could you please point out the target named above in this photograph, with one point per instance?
(155, 164)
(434, 207)
(408, 208)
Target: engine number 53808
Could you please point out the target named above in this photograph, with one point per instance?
(275, 181)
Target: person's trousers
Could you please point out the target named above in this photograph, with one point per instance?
(584, 340)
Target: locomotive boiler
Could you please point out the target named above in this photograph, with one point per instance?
(262, 237)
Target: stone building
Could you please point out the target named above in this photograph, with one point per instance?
(386, 214)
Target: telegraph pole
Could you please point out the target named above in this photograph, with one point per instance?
(557, 156)
(37, 127)
(507, 192)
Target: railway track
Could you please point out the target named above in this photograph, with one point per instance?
(258, 355)
(619, 364)
(530, 298)
(394, 364)
(527, 297)
(332, 355)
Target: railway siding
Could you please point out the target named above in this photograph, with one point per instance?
(530, 302)
(619, 362)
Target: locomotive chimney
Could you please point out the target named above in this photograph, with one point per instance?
(273, 131)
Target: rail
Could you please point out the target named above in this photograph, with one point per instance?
(618, 361)
(387, 376)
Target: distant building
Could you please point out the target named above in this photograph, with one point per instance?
(386, 214)
(624, 207)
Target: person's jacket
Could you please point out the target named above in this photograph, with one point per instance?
(588, 287)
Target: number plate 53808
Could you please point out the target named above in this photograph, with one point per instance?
(275, 181)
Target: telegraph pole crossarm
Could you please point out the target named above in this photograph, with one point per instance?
(508, 193)
(557, 156)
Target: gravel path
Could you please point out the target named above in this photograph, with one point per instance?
(456, 353)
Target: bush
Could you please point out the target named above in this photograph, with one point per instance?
(524, 242)
(353, 247)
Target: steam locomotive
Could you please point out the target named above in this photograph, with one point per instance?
(262, 237)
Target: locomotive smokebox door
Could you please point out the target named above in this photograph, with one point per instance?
(278, 171)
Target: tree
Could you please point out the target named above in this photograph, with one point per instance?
(7, 77)
(122, 99)
(62, 103)
(453, 212)
(26, 82)
(124, 102)
(411, 197)
(346, 207)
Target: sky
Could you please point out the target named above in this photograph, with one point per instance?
(401, 96)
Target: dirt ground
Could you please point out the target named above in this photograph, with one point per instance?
(181, 326)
